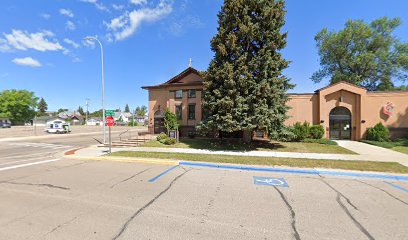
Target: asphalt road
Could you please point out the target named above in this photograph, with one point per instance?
(47, 197)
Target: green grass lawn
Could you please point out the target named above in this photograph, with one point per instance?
(257, 145)
(273, 161)
(399, 145)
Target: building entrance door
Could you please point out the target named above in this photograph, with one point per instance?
(159, 122)
(340, 123)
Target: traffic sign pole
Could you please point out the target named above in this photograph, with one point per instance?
(110, 141)
(110, 121)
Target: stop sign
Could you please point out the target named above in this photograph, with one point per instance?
(110, 121)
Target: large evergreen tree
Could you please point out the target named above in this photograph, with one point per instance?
(127, 109)
(42, 107)
(81, 111)
(244, 85)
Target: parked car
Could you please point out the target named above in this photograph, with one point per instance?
(5, 125)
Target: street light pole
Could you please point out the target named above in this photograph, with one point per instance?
(103, 87)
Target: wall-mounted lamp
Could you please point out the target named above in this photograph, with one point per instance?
(363, 121)
(321, 121)
(341, 99)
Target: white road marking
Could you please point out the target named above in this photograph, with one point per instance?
(27, 160)
(27, 155)
(29, 164)
(41, 145)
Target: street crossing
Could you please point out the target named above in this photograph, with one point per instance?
(14, 155)
(38, 145)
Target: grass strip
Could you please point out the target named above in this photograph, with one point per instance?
(256, 145)
(391, 167)
(399, 145)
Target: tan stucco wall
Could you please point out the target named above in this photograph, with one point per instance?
(303, 107)
(373, 112)
(363, 105)
(164, 98)
(313, 108)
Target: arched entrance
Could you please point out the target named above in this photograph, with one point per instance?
(340, 123)
(159, 122)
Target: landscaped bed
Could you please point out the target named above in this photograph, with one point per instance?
(400, 145)
(273, 161)
(256, 145)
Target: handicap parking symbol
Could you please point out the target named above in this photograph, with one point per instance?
(278, 182)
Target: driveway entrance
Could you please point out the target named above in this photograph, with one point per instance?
(340, 123)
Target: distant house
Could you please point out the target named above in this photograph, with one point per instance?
(95, 121)
(123, 117)
(43, 120)
(141, 119)
(75, 118)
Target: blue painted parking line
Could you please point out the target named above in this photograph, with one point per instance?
(162, 174)
(268, 181)
(298, 171)
(397, 186)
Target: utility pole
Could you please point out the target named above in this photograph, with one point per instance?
(86, 113)
(133, 122)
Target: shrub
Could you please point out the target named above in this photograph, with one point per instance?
(285, 135)
(170, 120)
(378, 133)
(301, 131)
(161, 137)
(320, 141)
(316, 132)
(131, 124)
(191, 134)
(169, 141)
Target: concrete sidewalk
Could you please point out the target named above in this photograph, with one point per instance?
(363, 149)
(372, 152)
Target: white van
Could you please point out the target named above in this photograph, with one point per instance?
(58, 127)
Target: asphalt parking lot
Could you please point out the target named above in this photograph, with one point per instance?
(73, 199)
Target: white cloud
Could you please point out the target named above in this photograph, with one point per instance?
(119, 22)
(118, 7)
(70, 25)
(22, 40)
(138, 2)
(27, 61)
(97, 4)
(66, 12)
(45, 15)
(71, 42)
(126, 25)
(76, 60)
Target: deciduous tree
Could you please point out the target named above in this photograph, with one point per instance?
(368, 55)
(18, 105)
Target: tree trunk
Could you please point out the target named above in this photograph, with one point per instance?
(247, 135)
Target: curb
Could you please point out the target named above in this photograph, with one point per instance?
(329, 172)
(126, 160)
(308, 171)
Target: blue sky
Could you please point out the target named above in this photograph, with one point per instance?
(146, 42)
